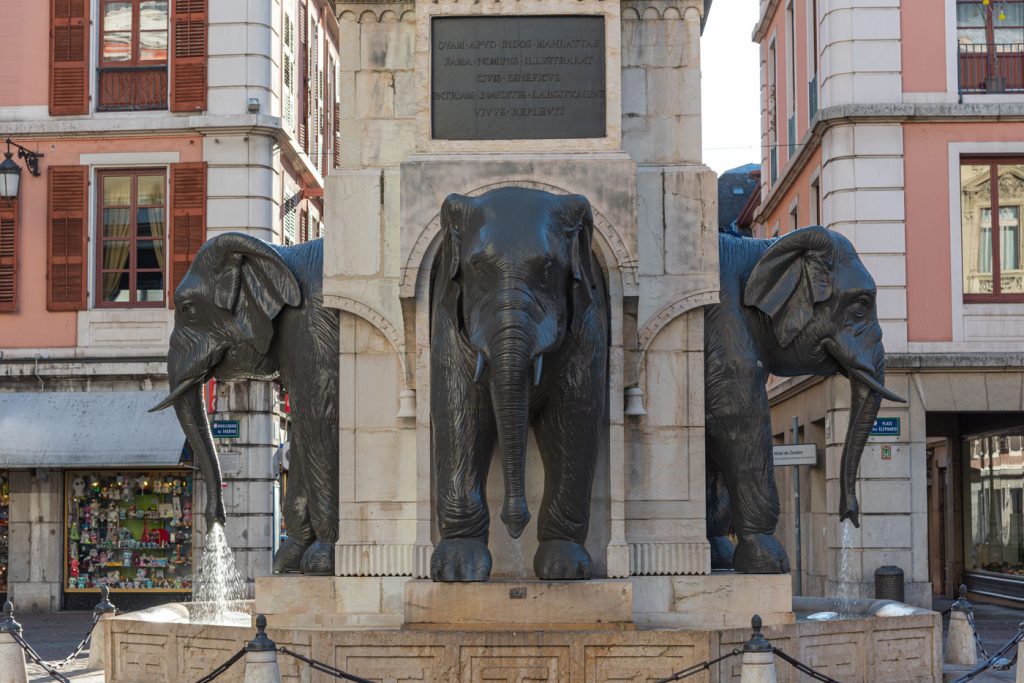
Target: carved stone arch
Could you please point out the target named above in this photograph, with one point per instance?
(671, 13)
(661, 319)
(381, 322)
(408, 15)
(348, 15)
(630, 13)
(607, 237)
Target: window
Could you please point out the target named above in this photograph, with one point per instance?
(815, 202)
(794, 217)
(812, 84)
(132, 72)
(991, 196)
(131, 222)
(990, 37)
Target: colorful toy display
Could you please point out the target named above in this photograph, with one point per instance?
(128, 532)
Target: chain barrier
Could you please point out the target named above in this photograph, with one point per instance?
(54, 674)
(998, 661)
(223, 667)
(802, 668)
(81, 644)
(324, 668)
(977, 638)
(697, 668)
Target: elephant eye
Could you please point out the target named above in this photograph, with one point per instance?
(860, 307)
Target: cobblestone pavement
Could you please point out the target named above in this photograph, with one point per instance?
(996, 625)
(54, 636)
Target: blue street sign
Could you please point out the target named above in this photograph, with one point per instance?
(886, 426)
(224, 429)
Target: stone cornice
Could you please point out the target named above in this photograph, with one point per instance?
(761, 28)
(878, 113)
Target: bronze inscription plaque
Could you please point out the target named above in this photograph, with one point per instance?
(517, 77)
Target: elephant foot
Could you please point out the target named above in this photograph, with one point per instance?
(289, 555)
(558, 560)
(318, 560)
(760, 554)
(722, 551)
(460, 559)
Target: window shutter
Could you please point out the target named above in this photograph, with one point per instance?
(188, 219)
(69, 57)
(67, 237)
(303, 77)
(8, 255)
(188, 55)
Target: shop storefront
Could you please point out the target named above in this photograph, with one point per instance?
(994, 513)
(129, 530)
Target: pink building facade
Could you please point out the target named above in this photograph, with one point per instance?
(901, 125)
(160, 123)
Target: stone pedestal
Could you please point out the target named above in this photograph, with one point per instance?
(519, 605)
(721, 600)
(330, 602)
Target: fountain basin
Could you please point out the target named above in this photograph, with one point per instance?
(863, 647)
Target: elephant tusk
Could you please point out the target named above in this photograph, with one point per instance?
(177, 392)
(874, 385)
(538, 367)
(481, 363)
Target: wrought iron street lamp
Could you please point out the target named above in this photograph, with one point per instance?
(10, 172)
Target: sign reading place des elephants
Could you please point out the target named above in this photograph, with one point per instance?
(517, 77)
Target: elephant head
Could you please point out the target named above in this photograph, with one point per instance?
(820, 300)
(224, 310)
(517, 275)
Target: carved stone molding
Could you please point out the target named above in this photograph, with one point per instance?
(371, 315)
(625, 261)
(671, 559)
(383, 559)
(365, 12)
(662, 318)
(660, 10)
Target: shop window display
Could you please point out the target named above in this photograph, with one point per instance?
(995, 508)
(5, 507)
(130, 531)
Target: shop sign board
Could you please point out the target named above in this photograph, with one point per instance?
(795, 454)
(225, 429)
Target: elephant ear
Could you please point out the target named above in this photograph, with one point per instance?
(458, 214)
(790, 278)
(580, 230)
(253, 282)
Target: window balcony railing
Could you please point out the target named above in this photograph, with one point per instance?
(991, 68)
(132, 88)
(1010, 282)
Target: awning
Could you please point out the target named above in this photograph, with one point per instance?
(91, 429)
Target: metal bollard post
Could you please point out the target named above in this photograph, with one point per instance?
(98, 645)
(261, 656)
(12, 657)
(961, 649)
(758, 662)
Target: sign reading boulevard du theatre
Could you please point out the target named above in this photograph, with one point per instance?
(517, 77)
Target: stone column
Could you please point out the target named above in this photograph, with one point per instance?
(247, 470)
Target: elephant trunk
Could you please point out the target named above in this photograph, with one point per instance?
(865, 401)
(192, 415)
(511, 367)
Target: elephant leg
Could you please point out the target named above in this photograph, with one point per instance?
(719, 517)
(296, 515)
(741, 443)
(569, 441)
(464, 434)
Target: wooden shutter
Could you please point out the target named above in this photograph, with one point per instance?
(188, 219)
(8, 255)
(69, 57)
(188, 55)
(303, 25)
(67, 236)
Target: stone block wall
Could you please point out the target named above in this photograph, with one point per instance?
(36, 539)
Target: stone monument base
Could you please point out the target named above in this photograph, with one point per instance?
(720, 600)
(528, 605)
(331, 602)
